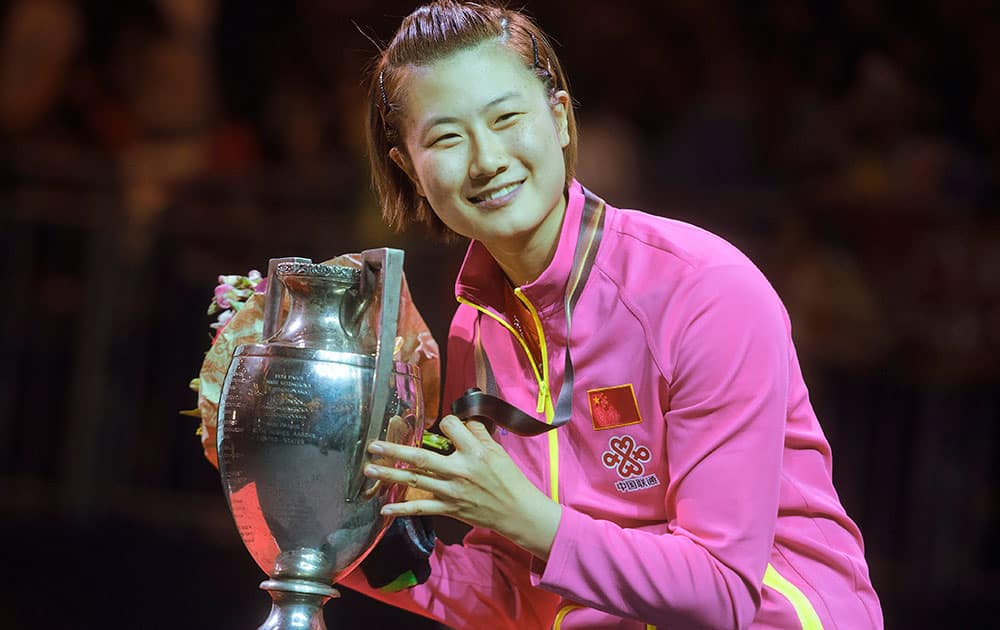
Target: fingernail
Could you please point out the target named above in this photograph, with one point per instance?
(370, 470)
(386, 510)
(376, 448)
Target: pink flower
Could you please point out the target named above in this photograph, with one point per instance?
(222, 292)
(257, 282)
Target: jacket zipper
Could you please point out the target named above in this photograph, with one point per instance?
(544, 402)
(541, 376)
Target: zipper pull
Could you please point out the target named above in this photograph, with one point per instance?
(543, 392)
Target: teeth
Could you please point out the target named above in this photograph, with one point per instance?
(500, 192)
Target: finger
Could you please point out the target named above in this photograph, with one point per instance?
(478, 429)
(416, 457)
(422, 507)
(408, 477)
(460, 436)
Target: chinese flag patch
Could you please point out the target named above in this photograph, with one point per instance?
(612, 407)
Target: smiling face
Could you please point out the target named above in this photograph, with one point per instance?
(482, 142)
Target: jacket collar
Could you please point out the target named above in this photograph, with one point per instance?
(480, 280)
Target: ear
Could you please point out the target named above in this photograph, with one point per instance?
(560, 103)
(403, 162)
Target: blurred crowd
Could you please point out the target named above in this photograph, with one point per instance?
(851, 149)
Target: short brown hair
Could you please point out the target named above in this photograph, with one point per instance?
(430, 33)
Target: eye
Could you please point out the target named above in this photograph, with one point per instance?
(445, 139)
(508, 117)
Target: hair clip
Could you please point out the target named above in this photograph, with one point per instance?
(381, 89)
(534, 49)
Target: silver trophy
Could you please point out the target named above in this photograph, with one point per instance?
(296, 416)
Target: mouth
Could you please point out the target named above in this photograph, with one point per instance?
(496, 196)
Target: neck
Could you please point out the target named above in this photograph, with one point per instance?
(523, 259)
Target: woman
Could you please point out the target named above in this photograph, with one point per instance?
(688, 483)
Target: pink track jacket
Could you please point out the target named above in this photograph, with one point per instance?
(694, 476)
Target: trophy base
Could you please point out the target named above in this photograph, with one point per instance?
(297, 604)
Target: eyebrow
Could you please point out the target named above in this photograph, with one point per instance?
(451, 119)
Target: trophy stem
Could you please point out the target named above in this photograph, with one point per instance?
(297, 604)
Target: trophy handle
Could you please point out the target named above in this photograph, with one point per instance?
(381, 278)
(275, 292)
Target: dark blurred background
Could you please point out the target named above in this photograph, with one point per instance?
(148, 146)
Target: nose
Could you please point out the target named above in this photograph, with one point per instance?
(489, 157)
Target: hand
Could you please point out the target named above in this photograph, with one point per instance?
(478, 484)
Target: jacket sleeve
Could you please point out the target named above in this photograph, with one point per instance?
(484, 582)
(725, 357)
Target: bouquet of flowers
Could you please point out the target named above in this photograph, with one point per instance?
(238, 304)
